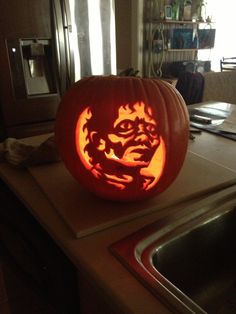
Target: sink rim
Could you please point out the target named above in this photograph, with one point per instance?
(136, 250)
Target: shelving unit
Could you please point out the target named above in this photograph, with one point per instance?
(169, 41)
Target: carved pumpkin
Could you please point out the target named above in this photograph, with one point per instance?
(124, 138)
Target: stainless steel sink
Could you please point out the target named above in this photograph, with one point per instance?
(188, 258)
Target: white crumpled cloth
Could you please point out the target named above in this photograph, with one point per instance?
(22, 155)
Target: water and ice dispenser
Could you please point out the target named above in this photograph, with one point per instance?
(32, 67)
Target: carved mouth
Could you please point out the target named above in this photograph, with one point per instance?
(138, 149)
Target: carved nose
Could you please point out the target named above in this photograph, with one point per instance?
(141, 134)
(142, 137)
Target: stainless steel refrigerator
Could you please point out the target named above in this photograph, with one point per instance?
(46, 45)
(85, 39)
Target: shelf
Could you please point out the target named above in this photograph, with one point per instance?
(186, 49)
(176, 22)
(175, 40)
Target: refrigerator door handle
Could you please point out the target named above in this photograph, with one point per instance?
(68, 42)
(59, 44)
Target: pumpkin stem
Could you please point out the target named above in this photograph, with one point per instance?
(129, 72)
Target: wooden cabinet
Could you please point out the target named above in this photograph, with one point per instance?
(28, 88)
(35, 256)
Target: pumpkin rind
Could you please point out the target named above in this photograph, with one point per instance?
(123, 138)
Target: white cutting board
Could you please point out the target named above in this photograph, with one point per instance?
(85, 213)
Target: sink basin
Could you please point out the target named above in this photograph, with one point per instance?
(202, 263)
(188, 258)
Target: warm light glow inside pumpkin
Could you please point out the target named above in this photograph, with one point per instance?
(130, 151)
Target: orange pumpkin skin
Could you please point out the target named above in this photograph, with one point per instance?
(123, 138)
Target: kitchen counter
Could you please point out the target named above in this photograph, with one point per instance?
(109, 287)
(216, 148)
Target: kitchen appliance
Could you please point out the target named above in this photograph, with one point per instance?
(46, 46)
(85, 39)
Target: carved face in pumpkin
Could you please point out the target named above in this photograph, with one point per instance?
(134, 137)
(121, 152)
(123, 138)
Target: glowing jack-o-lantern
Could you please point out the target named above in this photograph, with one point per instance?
(124, 138)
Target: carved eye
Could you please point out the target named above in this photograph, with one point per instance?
(151, 128)
(125, 125)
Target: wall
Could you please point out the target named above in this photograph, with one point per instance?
(123, 33)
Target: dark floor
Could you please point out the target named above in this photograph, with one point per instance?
(17, 294)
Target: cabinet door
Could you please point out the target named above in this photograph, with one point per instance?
(28, 86)
(35, 258)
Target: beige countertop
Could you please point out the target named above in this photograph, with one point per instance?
(215, 148)
(89, 250)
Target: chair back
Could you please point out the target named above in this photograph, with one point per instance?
(228, 64)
